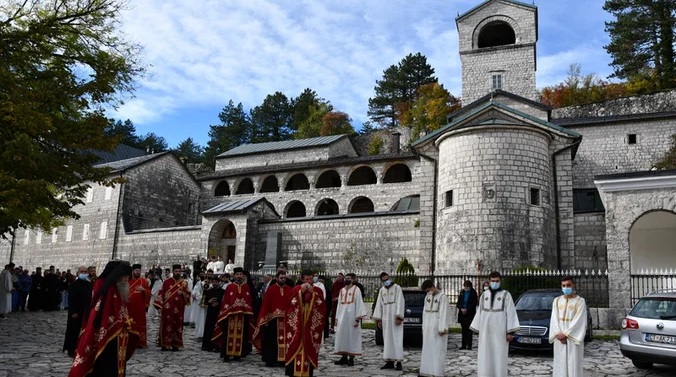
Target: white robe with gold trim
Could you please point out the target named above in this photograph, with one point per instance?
(436, 318)
(569, 316)
(350, 308)
(391, 306)
(199, 312)
(493, 323)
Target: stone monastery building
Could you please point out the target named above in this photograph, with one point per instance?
(508, 182)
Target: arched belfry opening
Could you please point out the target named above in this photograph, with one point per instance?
(497, 33)
(223, 240)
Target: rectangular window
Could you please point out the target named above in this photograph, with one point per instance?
(69, 233)
(26, 237)
(535, 196)
(109, 193)
(90, 195)
(587, 200)
(85, 232)
(54, 235)
(497, 81)
(448, 198)
(631, 139)
(104, 230)
(38, 237)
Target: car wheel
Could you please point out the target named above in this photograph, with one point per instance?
(642, 364)
(589, 335)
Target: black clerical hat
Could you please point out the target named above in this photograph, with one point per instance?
(136, 266)
(176, 267)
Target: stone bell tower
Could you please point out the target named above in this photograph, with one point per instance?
(497, 49)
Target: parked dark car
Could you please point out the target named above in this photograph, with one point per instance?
(415, 304)
(534, 309)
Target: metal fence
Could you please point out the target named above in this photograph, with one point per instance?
(647, 281)
(592, 285)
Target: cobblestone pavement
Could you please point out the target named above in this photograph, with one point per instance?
(30, 344)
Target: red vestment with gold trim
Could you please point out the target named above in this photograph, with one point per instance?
(236, 313)
(171, 302)
(304, 328)
(139, 301)
(273, 309)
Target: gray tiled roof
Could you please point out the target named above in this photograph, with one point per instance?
(121, 152)
(281, 145)
(233, 206)
(130, 162)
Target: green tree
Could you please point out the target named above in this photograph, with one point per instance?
(336, 123)
(668, 161)
(153, 143)
(395, 93)
(270, 120)
(62, 64)
(312, 124)
(234, 130)
(642, 41)
(189, 150)
(375, 145)
(409, 278)
(125, 132)
(430, 111)
(303, 106)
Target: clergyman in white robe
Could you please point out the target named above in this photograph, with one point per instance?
(436, 320)
(5, 291)
(569, 317)
(391, 306)
(199, 313)
(350, 310)
(152, 311)
(494, 320)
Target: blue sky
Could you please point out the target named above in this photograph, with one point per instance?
(202, 53)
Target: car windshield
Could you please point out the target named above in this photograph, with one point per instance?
(655, 308)
(415, 299)
(536, 301)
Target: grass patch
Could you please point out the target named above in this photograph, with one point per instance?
(368, 326)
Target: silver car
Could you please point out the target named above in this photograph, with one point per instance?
(649, 331)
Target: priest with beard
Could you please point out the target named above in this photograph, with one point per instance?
(304, 326)
(102, 347)
(139, 301)
(211, 301)
(269, 335)
(232, 332)
(170, 302)
(79, 297)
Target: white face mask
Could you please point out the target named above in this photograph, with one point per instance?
(485, 287)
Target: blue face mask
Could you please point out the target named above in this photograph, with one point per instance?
(83, 276)
(567, 291)
(387, 283)
(495, 286)
(315, 279)
(348, 282)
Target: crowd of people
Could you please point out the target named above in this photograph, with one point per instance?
(282, 319)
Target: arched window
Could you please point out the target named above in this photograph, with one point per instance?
(397, 173)
(245, 187)
(327, 207)
(297, 182)
(295, 209)
(497, 33)
(222, 189)
(362, 176)
(270, 184)
(361, 205)
(329, 178)
(408, 203)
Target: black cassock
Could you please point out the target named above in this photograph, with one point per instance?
(50, 288)
(79, 297)
(212, 316)
(269, 344)
(106, 363)
(35, 298)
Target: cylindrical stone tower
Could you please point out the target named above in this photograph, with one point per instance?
(495, 206)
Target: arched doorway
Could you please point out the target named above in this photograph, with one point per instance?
(652, 241)
(223, 240)
(327, 207)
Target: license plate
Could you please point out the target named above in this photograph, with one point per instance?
(411, 320)
(526, 340)
(658, 338)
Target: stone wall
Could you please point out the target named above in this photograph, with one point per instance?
(5, 250)
(590, 241)
(160, 194)
(491, 220)
(162, 247)
(367, 242)
(605, 148)
(642, 104)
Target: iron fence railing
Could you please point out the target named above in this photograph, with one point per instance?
(647, 281)
(592, 285)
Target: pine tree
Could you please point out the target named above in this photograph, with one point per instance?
(189, 150)
(234, 130)
(271, 120)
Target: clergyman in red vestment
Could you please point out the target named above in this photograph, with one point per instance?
(102, 346)
(139, 301)
(304, 327)
(269, 335)
(235, 320)
(171, 301)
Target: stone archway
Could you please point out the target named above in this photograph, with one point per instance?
(223, 240)
(652, 241)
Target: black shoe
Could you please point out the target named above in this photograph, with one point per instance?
(236, 358)
(398, 367)
(388, 365)
(350, 361)
(226, 359)
(165, 349)
(174, 349)
(342, 361)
